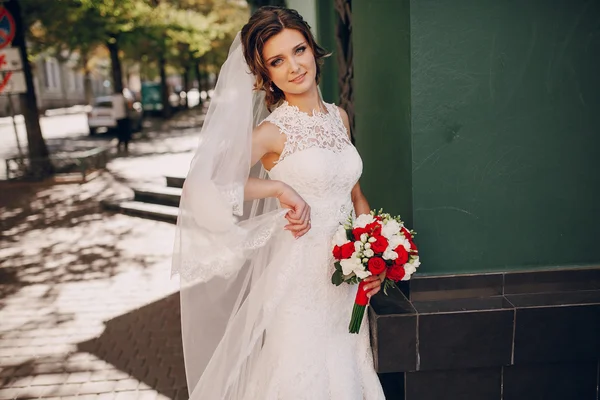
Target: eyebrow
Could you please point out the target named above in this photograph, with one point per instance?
(279, 55)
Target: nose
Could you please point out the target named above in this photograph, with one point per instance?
(295, 67)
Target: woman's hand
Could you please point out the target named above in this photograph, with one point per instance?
(374, 284)
(299, 214)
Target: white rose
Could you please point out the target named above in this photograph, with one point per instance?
(340, 238)
(391, 228)
(415, 262)
(363, 220)
(372, 239)
(349, 265)
(368, 245)
(362, 273)
(395, 241)
(369, 253)
(358, 246)
(364, 237)
(390, 255)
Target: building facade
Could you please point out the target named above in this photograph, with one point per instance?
(478, 122)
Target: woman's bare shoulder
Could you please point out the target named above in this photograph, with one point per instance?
(345, 119)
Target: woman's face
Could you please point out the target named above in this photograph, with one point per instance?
(290, 62)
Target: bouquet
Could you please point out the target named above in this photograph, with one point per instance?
(371, 245)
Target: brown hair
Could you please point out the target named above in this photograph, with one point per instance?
(265, 23)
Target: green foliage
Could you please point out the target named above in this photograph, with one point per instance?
(181, 31)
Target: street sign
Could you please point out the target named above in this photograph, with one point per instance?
(13, 82)
(7, 28)
(10, 59)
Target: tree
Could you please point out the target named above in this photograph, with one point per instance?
(256, 4)
(36, 146)
(344, 57)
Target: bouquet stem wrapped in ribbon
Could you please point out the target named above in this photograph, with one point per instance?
(372, 244)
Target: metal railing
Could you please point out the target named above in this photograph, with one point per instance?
(82, 162)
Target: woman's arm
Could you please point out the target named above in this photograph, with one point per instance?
(266, 140)
(361, 206)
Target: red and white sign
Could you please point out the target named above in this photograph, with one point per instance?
(7, 28)
(13, 82)
(12, 79)
(10, 59)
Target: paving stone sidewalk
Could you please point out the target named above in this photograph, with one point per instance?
(87, 307)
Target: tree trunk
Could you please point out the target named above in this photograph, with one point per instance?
(123, 125)
(38, 151)
(117, 76)
(164, 89)
(87, 80)
(345, 58)
(186, 82)
(199, 80)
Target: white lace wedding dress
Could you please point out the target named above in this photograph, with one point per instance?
(307, 352)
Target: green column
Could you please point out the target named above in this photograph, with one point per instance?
(381, 38)
(326, 18)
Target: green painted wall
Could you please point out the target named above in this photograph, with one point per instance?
(382, 102)
(326, 18)
(505, 112)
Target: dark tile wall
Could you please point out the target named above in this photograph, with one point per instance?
(551, 382)
(551, 334)
(472, 384)
(465, 340)
(538, 339)
(397, 340)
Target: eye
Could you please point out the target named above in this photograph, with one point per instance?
(300, 49)
(276, 62)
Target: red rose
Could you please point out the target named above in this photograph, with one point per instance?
(337, 252)
(374, 228)
(396, 273)
(357, 232)
(402, 255)
(376, 265)
(347, 250)
(379, 245)
(409, 237)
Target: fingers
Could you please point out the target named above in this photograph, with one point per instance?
(373, 292)
(299, 216)
(301, 224)
(299, 230)
(373, 286)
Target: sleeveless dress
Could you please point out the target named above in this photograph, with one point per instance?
(307, 351)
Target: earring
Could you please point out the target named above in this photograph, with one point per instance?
(271, 87)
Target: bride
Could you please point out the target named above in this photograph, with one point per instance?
(274, 175)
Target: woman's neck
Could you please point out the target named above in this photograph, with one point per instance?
(307, 102)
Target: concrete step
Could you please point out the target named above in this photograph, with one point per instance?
(167, 196)
(175, 181)
(155, 212)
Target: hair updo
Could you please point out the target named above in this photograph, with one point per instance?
(265, 23)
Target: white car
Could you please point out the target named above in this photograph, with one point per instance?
(102, 114)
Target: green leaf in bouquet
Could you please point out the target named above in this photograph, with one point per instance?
(338, 266)
(388, 284)
(337, 278)
(349, 235)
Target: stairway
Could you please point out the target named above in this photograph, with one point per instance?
(152, 202)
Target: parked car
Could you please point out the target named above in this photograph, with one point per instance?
(103, 114)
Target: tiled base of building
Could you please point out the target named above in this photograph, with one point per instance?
(508, 336)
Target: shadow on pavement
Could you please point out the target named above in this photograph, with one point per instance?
(146, 344)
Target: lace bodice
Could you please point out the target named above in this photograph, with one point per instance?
(318, 161)
(303, 131)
